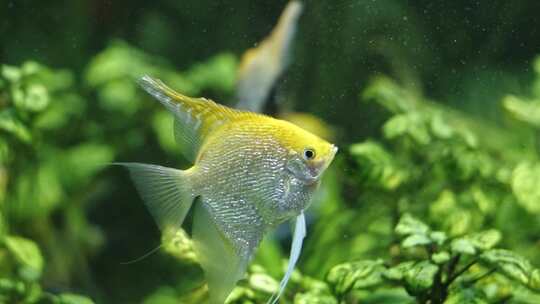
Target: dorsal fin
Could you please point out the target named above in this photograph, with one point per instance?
(194, 118)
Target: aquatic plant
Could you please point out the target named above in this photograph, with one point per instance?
(437, 205)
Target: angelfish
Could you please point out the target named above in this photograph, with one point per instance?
(250, 173)
(262, 66)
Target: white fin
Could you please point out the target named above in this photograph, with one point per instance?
(222, 263)
(296, 249)
(165, 191)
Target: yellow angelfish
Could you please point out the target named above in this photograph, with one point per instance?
(251, 172)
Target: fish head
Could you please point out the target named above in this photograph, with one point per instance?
(309, 156)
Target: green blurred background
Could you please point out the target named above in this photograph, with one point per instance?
(435, 106)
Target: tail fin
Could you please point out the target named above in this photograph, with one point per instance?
(167, 192)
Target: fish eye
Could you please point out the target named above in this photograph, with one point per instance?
(309, 153)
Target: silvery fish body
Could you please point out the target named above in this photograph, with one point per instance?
(246, 185)
(251, 172)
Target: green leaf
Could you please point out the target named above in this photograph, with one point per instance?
(11, 124)
(311, 297)
(314, 285)
(387, 296)
(162, 123)
(11, 287)
(416, 240)
(523, 110)
(526, 186)
(485, 240)
(83, 161)
(438, 237)
(534, 280)
(397, 273)
(459, 221)
(263, 282)
(69, 298)
(420, 277)
(163, 295)
(463, 246)
(55, 81)
(218, 72)
(440, 257)
(37, 191)
(410, 225)
(125, 63)
(120, 96)
(524, 296)
(390, 95)
(33, 98)
(513, 266)
(485, 201)
(476, 242)
(466, 296)
(440, 128)
(411, 124)
(447, 212)
(270, 257)
(11, 73)
(356, 275)
(443, 205)
(48, 188)
(4, 156)
(119, 60)
(240, 294)
(62, 111)
(30, 68)
(27, 255)
(33, 292)
(378, 165)
(177, 243)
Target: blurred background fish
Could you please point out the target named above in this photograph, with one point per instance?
(262, 66)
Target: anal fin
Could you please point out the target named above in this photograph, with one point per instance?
(222, 263)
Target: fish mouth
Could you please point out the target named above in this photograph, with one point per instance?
(316, 172)
(328, 161)
(311, 174)
(333, 154)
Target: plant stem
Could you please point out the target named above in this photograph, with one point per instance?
(452, 265)
(480, 277)
(439, 291)
(460, 272)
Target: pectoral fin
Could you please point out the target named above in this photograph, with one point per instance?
(223, 262)
(296, 249)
